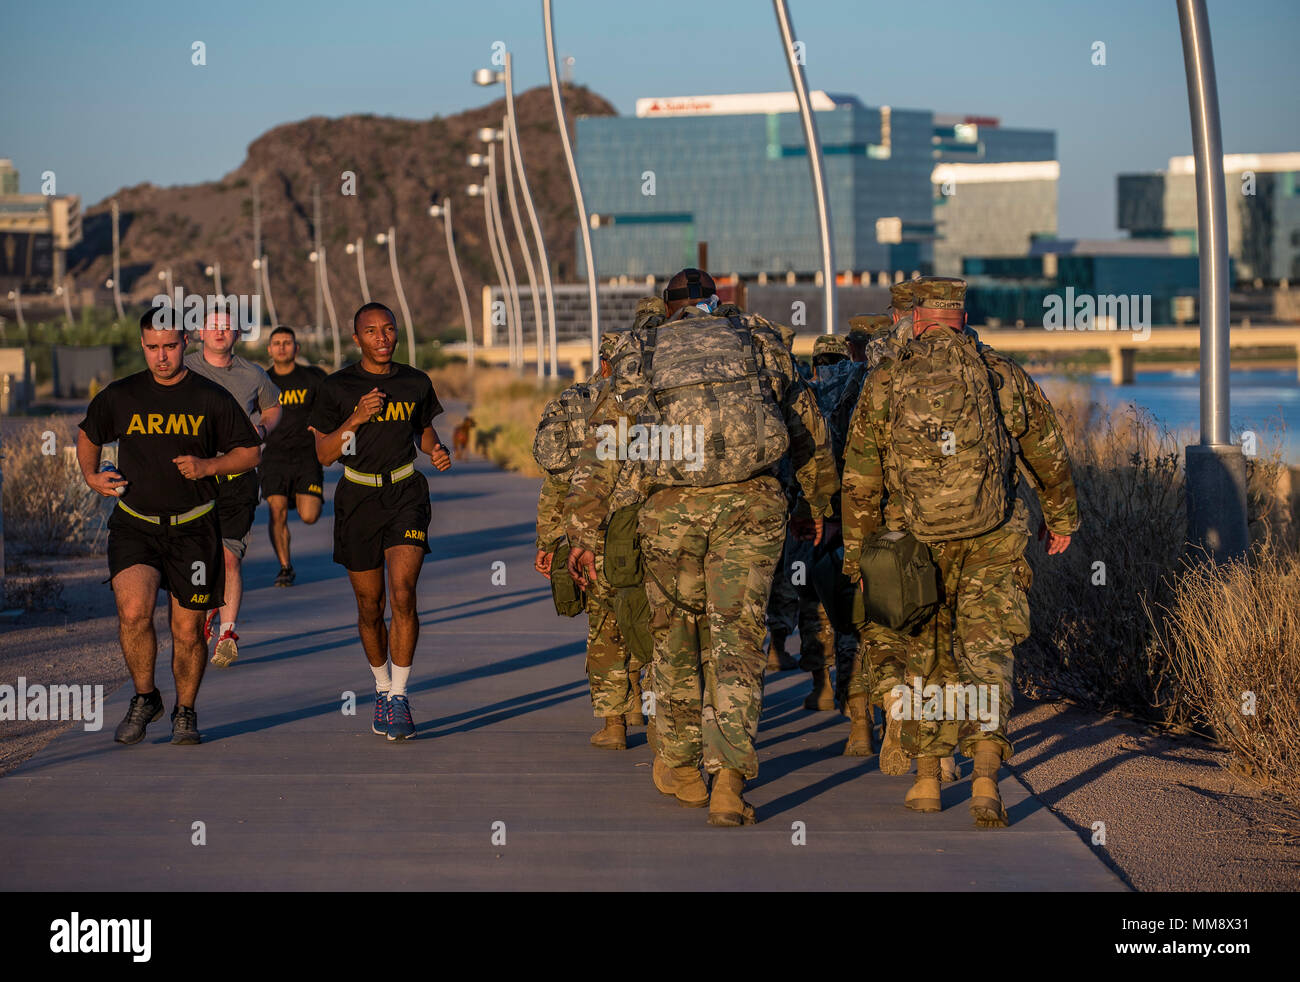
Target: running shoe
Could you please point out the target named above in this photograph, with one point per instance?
(382, 714)
(227, 650)
(185, 726)
(400, 724)
(285, 577)
(210, 625)
(144, 709)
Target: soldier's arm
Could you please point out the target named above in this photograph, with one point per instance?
(1033, 422)
(550, 510)
(810, 448)
(863, 482)
(596, 471)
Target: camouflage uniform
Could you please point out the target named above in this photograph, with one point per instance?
(985, 578)
(709, 554)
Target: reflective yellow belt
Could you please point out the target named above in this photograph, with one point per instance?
(377, 480)
(231, 477)
(180, 519)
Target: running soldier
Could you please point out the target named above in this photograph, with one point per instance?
(374, 413)
(237, 493)
(176, 434)
(292, 477)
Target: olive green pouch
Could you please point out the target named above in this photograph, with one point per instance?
(570, 601)
(901, 580)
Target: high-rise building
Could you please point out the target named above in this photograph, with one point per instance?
(1263, 195)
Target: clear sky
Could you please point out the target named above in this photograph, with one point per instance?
(106, 96)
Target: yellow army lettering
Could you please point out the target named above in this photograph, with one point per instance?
(415, 534)
(156, 424)
(199, 598)
(315, 487)
(393, 411)
(293, 397)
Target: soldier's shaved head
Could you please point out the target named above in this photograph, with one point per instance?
(686, 287)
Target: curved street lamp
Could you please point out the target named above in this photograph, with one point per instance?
(264, 265)
(481, 191)
(390, 237)
(215, 272)
(116, 281)
(443, 211)
(322, 278)
(359, 248)
(16, 295)
(492, 137)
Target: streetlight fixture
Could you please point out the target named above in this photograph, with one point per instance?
(264, 266)
(573, 177)
(492, 137)
(322, 280)
(443, 211)
(215, 272)
(16, 295)
(359, 248)
(63, 292)
(481, 191)
(390, 237)
(485, 76)
(116, 281)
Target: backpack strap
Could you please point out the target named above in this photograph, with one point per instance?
(755, 380)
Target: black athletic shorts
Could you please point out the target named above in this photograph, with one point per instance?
(293, 477)
(369, 520)
(187, 556)
(236, 506)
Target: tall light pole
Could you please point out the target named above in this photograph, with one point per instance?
(264, 265)
(257, 241)
(359, 248)
(485, 76)
(528, 259)
(322, 281)
(813, 142)
(62, 291)
(1216, 470)
(443, 211)
(573, 177)
(16, 295)
(390, 237)
(316, 244)
(481, 191)
(166, 276)
(116, 281)
(215, 272)
(492, 137)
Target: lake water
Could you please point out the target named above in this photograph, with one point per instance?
(1266, 401)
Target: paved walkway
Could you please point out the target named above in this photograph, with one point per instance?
(295, 795)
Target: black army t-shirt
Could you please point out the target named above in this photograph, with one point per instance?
(154, 423)
(291, 438)
(387, 440)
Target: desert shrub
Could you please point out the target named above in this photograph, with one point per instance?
(47, 506)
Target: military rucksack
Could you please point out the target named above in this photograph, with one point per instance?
(563, 428)
(621, 561)
(704, 380)
(950, 447)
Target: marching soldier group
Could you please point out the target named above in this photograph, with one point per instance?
(872, 506)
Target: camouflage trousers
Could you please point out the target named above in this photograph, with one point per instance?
(709, 555)
(796, 605)
(611, 665)
(985, 613)
(783, 602)
(878, 664)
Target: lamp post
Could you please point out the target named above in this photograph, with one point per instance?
(481, 191)
(116, 281)
(166, 276)
(814, 160)
(485, 76)
(492, 137)
(16, 295)
(359, 248)
(528, 259)
(443, 211)
(215, 272)
(573, 177)
(264, 265)
(62, 291)
(390, 237)
(322, 281)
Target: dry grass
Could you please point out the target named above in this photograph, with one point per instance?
(47, 506)
(1231, 636)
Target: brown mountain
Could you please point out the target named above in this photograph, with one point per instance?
(401, 167)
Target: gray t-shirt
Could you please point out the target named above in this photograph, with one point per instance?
(247, 382)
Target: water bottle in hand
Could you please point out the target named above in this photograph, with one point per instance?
(109, 467)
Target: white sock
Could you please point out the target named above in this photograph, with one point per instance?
(400, 675)
(226, 626)
(382, 682)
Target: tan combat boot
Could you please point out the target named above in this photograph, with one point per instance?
(778, 660)
(985, 800)
(949, 771)
(822, 696)
(860, 742)
(682, 783)
(635, 717)
(893, 761)
(613, 736)
(726, 806)
(923, 795)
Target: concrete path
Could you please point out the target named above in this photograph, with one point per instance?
(295, 795)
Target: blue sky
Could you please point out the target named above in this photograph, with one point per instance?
(105, 94)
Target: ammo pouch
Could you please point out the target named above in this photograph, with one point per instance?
(568, 596)
(900, 579)
(622, 558)
(840, 598)
(632, 612)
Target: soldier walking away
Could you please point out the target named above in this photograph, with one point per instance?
(938, 428)
(712, 523)
(292, 477)
(237, 494)
(613, 667)
(177, 434)
(373, 414)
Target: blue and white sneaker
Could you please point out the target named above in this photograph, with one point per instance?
(382, 714)
(400, 724)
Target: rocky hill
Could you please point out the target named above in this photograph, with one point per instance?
(401, 167)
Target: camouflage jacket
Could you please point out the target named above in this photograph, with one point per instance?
(870, 474)
(595, 480)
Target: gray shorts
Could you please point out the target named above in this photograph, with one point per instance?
(237, 547)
